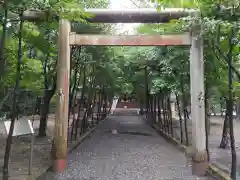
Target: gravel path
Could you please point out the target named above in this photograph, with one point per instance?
(137, 152)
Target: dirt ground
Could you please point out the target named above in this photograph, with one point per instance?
(219, 157)
(19, 160)
(222, 157)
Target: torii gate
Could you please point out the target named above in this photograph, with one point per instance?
(68, 38)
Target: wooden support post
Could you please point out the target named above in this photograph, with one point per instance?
(199, 154)
(173, 108)
(59, 146)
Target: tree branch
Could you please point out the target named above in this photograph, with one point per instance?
(134, 3)
(220, 52)
(225, 59)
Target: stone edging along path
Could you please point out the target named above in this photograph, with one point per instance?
(71, 148)
(213, 170)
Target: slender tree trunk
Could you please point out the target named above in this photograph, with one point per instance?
(180, 118)
(99, 106)
(207, 116)
(2, 41)
(14, 105)
(238, 110)
(141, 106)
(149, 104)
(221, 106)
(151, 109)
(81, 105)
(105, 103)
(170, 114)
(73, 89)
(164, 114)
(159, 111)
(225, 133)
(76, 108)
(231, 128)
(184, 112)
(48, 94)
(146, 89)
(155, 108)
(94, 107)
(186, 125)
(84, 83)
(91, 95)
(207, 120)
(2, 47)
(230, 103)
(73, 85)
(84, 120)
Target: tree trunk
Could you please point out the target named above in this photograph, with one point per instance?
(180, 118)
(164, 114)
(82, 103)
(167, 114)
(221, 106)
(155, 108)
(170, 114)
(207, 120)
(238, 110)
(91, 97)
(141, 106)
(72, 90)
(76, 79)
(48, 94)
(2, 47)
(100, 99)
(207, 116)
(159, 111)
(146, 89)
(230, 102)
(104, 103)
(76, 108)
(150, 118)
(2, 42)
(184, 111)
(46, 98)
(14, 105)
(225, 133)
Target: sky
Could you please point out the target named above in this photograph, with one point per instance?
(123, 4)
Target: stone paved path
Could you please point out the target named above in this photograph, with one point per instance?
(137, 152)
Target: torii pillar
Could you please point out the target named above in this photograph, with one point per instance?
(59, 144)
(199, 153)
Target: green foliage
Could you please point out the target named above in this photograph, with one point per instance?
(121, 69)
(39, 39)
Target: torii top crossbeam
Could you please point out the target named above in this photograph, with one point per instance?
(144, 15)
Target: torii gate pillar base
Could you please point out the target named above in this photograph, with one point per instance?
(59, 165)
(200, 164)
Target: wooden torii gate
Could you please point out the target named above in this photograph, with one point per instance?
(68, 38)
